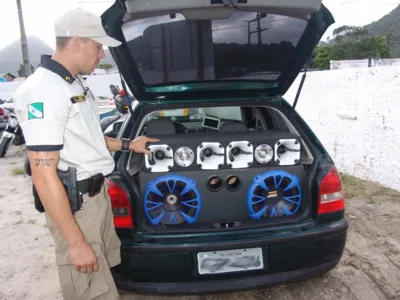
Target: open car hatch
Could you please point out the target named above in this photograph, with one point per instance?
(202, 49)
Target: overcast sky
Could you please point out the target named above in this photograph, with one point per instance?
(39, 15)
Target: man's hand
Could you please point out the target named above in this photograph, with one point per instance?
(83, 258)
(139, 144)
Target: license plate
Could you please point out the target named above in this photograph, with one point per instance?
(215, 262)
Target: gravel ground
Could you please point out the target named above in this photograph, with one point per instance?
(369, 269)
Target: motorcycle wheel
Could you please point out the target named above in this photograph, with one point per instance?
(4, 145)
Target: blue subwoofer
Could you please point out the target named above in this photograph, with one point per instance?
(274, 194)
(172, 199)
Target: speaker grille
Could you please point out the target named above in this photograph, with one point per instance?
(172, 199)
(273, 194)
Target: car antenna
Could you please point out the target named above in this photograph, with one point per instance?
(303, 78)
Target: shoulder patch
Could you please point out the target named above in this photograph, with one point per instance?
(35, 110)
(77, 99)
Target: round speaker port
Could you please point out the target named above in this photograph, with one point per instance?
(233, 183)
(214, 183)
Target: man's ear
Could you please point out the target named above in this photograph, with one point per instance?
(74, 44)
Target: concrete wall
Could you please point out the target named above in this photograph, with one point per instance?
(356, 115)
(364, 63)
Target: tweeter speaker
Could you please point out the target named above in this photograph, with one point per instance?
(287, 152)
(239, 154)
(161, 158)
(210, 155)
(264, 153)
(184, 157)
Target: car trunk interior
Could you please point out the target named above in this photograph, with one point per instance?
(251, 169)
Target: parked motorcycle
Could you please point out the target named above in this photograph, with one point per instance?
(112, 124)
(12, 134)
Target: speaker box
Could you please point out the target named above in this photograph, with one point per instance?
(208, 197)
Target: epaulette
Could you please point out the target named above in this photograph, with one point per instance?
(78, 98)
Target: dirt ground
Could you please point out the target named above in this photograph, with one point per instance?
(369, 269)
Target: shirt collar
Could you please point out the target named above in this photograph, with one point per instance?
(50, 64)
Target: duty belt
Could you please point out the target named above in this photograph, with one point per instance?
(91, 185)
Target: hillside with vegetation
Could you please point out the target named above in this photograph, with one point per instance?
(380, 39)
(389, 23)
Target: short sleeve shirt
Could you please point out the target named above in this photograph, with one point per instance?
(58, 112)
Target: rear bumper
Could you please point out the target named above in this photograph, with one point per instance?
(174, 270)
(237, 284)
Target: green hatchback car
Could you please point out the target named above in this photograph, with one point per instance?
(238, 193)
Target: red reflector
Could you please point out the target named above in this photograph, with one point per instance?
(331, 197)
(121, 205)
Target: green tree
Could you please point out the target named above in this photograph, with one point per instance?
(351, 42)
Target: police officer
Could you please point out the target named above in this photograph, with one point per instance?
(60, 122)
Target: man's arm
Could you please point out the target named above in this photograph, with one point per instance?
(55, 201)
(113, 144)
(137, 145)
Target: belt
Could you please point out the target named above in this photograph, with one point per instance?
(91, 185)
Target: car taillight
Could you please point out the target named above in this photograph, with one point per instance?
(331, 196)
(5, 117)
(1, 112)
(121, 205)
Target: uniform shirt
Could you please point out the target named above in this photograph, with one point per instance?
(57, 112)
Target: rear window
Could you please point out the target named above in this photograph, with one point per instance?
(247, 46)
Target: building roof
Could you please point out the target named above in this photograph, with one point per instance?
(9, 74)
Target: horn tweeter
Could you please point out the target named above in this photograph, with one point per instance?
(160, 159)
(210, 156)
(239, 154)
(287, 152)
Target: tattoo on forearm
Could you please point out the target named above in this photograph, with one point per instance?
(44, 162)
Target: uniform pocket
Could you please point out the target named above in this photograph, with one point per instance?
(79, 285)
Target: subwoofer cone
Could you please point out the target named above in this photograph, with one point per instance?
(233, 183)
(214, 183)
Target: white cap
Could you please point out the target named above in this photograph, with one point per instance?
(84, 24)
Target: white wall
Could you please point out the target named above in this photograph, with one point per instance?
(356, 115)
(354, 112)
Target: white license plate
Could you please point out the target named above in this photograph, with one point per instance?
(215, 262)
